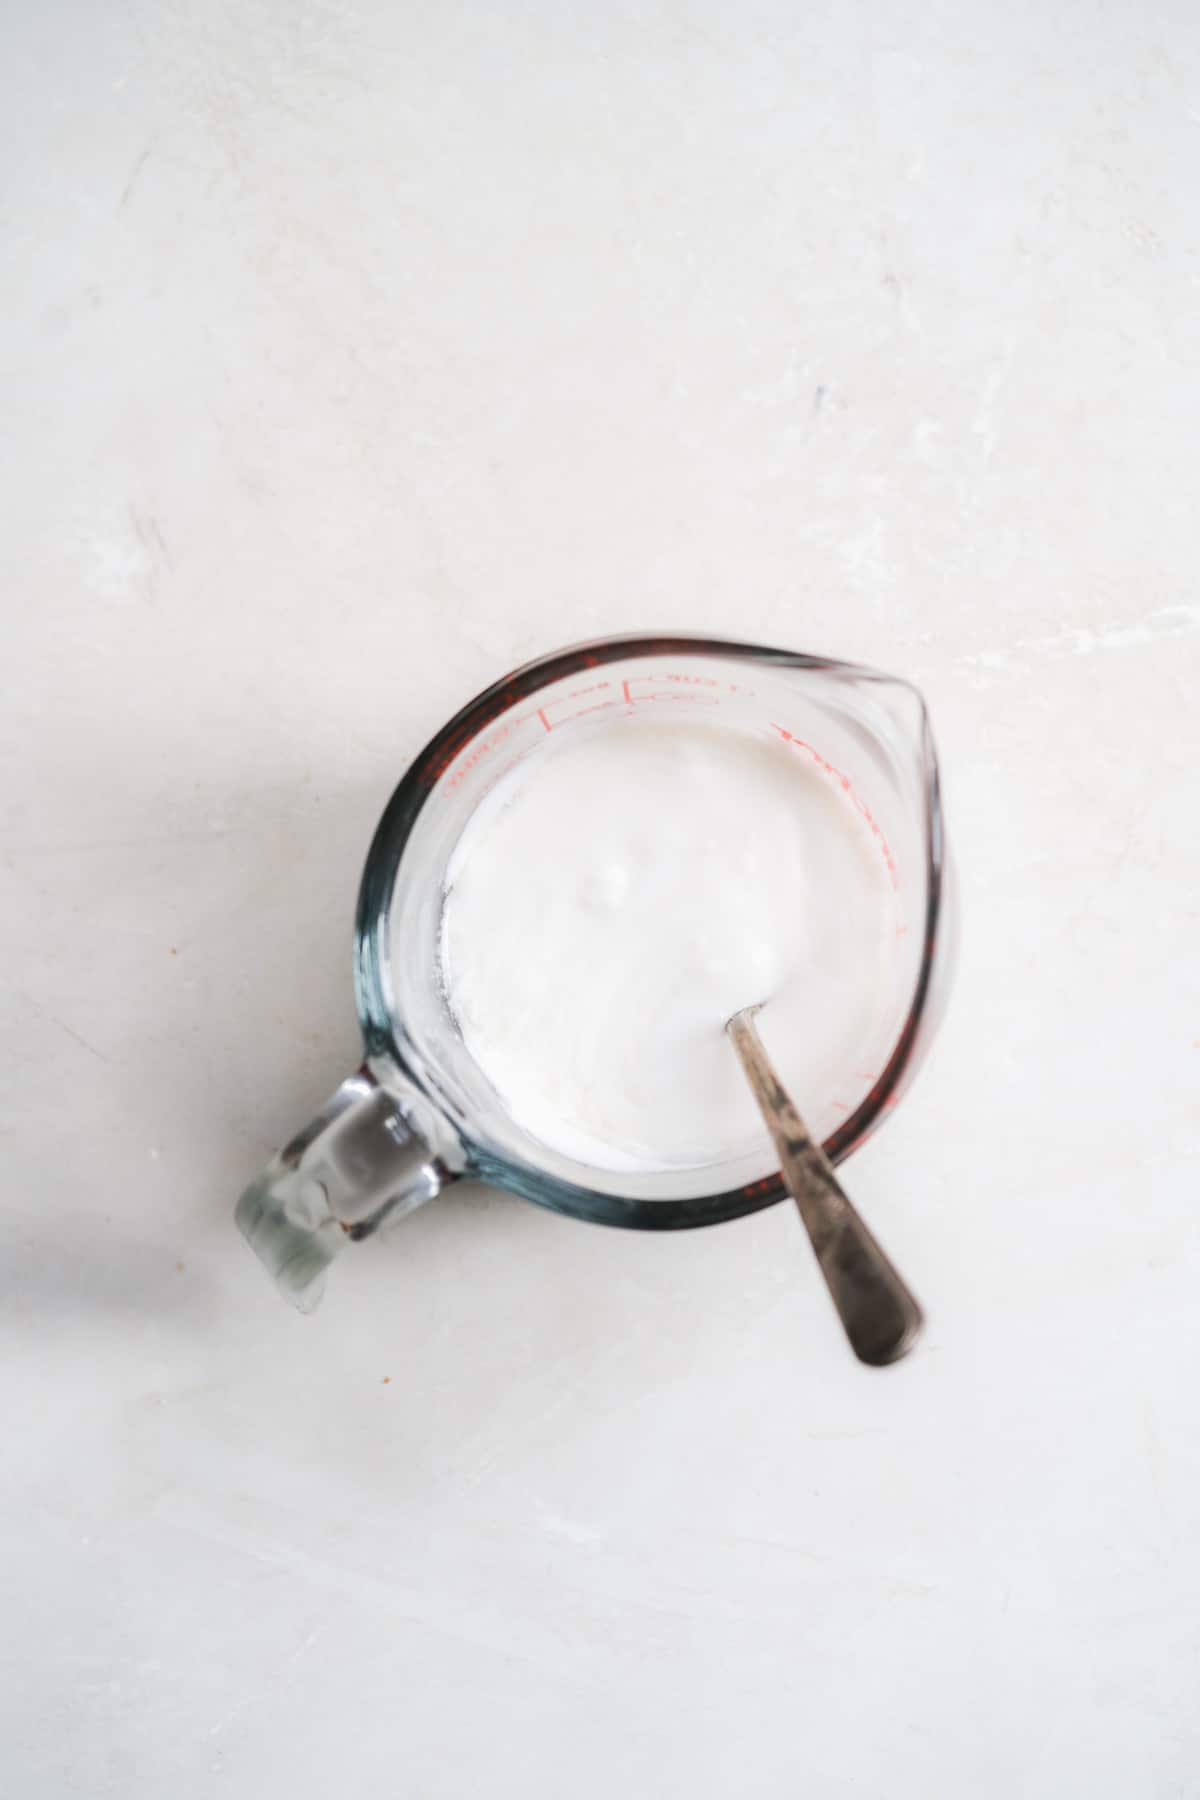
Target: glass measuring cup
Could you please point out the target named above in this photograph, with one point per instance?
(420, 1113)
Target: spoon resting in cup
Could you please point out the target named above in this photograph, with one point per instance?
(879, 1315)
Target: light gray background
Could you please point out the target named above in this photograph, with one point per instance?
(353, 354)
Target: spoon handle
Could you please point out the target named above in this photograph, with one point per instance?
(879, 1314)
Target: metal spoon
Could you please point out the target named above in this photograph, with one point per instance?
(879, 1314)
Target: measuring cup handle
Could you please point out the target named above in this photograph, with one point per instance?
(361, 1163)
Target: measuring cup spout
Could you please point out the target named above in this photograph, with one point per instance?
(360, 1164)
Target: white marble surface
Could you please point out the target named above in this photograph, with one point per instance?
(354, 352)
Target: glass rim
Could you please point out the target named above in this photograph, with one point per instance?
(383, 1033)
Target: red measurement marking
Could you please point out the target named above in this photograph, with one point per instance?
(844, 782)
(839, 1106)
(678, 679)
(567, 708)
(579, 713)
(762, 1186)
(552, 706)
(634, 688)
(478, 749)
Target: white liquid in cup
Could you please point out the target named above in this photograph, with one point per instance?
(617, 896)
